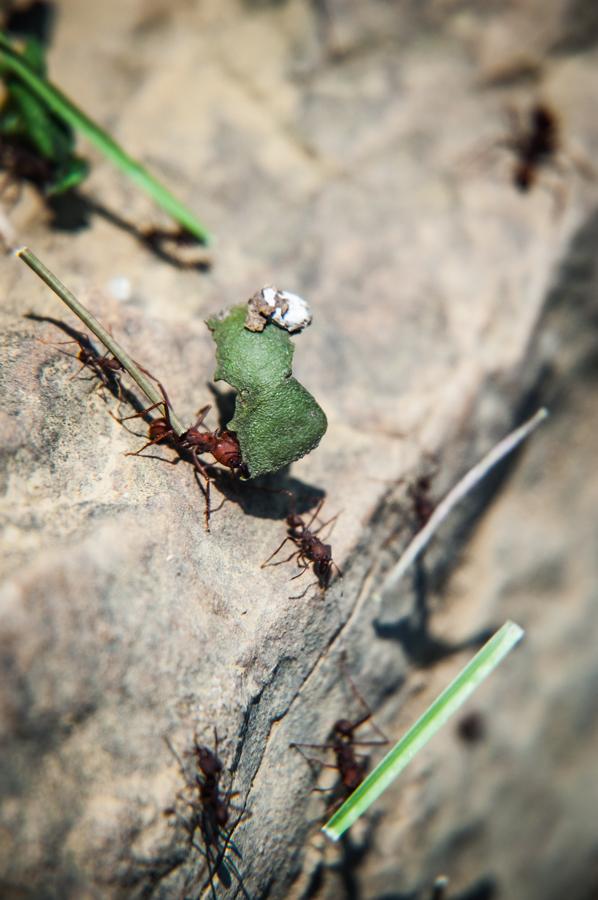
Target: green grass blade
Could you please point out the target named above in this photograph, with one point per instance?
(458, 691)
(66, 109)
(146, 385)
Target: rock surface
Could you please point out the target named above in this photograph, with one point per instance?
(335, 149)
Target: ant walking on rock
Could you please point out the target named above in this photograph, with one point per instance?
(422, 502)
(350, 765)
(210, 811)
(535, 141)
(106, 367)
(311, 550)
(222, 444)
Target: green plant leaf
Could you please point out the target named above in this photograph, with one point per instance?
(458, 691)
(15, 66)
(277, 421)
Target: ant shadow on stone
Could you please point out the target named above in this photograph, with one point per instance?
(413, 633)
(352, 857)
(73, 211)
(267, 497)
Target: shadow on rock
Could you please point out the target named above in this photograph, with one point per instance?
(412, 632)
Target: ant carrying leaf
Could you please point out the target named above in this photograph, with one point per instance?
(222, 444)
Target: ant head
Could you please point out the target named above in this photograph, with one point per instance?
(208, 762)
(227, 451)
(344, 728)
(295, 522)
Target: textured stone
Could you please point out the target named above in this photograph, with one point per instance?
(329, 148)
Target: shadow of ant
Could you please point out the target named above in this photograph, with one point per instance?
(352, 857)
(72, 211)
(266, 497)
(412, 631)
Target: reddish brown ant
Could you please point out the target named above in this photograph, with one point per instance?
(310, 549)
(535, 141)
(419, 493)
(422, 502)
(106, 368)
(350, 765)
(222, 444)
(210, 811)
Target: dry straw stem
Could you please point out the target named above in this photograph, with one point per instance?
(460, 490)
(104, 336)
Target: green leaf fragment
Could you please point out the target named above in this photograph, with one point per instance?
(277, 421)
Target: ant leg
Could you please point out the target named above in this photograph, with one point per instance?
(278, 549)
(200, 469)
(157, 440)
(358, 695)
(312, 760)
(201, 414)
(304, 566)
(324, 524)
(315, 514)
(302, 595)
(143, 412)
(80, 369)
(338, 571)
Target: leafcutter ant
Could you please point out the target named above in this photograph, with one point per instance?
(422, 502)
(106, 368)
(535, 142)
(311, 550)
(222, 444)
(350, 765)
(209, 811)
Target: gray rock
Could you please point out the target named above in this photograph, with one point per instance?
(335, 150)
